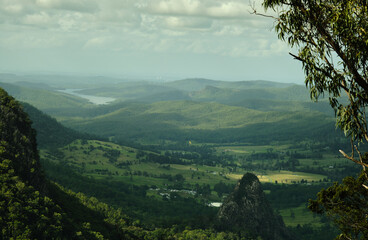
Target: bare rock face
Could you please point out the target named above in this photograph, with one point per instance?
(247, 211)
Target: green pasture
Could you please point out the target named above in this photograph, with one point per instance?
(300, 216)
(286, 177)
(251, 149)
(91, 157)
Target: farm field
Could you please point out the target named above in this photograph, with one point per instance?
(166, 180)
(104, 159)
(300, 216)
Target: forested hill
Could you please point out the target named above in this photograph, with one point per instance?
(34, 208)
(18, 148)
(31, 207)
(50, 133)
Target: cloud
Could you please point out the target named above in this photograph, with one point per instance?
(180, 7)
(187, 23)
(14, 8)
(10, 9)
(70, 5)
(219, 27)
(39, 19)
(229, 10)
(205, 8)
(97, 42)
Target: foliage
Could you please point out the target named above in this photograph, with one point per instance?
(18, 140)
(333, 48)
(332, 40)
(50, 133)
(347, 205)
(25, 212)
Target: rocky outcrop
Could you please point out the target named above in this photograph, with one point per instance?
(247, 211)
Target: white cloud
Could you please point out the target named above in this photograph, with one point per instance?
(96, 42)
(71, 5)
(170, 7)
(187, 23)
(229, 30)
(219, 27)
(230, 10)
(206, 8)
(41, 19)
(13, 8)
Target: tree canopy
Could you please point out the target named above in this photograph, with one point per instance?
(332, 41)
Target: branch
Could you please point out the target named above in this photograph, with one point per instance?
(320, 69)
(353, 159)
(254, 11)
(360, 162)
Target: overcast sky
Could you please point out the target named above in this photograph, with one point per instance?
(168, 39)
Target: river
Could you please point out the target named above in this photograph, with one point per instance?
(93, 99)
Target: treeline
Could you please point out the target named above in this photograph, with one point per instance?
(291, 195)
(204, 156)
(257, 134)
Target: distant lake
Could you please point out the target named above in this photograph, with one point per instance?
(93, 99)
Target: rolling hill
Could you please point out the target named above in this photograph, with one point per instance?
(201, 121)
(44, 99)
(196, 84)
(198, 109)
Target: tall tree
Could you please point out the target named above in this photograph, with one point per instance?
(331, 37)
(332, 41)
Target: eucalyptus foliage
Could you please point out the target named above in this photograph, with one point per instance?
(332, 42)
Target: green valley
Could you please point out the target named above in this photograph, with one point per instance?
(164, 153)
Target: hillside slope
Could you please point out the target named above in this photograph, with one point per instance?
(203, 122)
(28, 208)
(50, 133)
(42, 98)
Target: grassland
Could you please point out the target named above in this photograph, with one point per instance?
(92, 158)
(110, 161)
(300, 216)
(285, 177)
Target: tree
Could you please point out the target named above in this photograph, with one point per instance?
(347, 205)
(332, 41)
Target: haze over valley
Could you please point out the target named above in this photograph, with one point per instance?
(185, 139)
(183, 119)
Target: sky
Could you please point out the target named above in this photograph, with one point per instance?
(155, 39)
